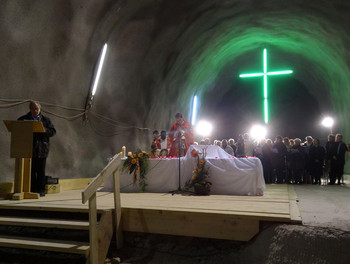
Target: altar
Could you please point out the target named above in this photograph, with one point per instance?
(229, 175)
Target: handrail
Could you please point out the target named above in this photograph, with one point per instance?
(89, 194)
(100, 178)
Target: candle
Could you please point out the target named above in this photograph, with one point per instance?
(124, 151)
(129, 154)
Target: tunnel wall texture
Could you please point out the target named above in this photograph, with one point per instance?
(160, 53)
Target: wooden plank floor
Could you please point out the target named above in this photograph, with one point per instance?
(278, 203)
(214, 216)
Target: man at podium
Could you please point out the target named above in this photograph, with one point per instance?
(41, 147)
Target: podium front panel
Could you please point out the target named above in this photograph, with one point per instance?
(21, 140)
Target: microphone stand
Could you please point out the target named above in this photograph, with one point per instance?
(179, 149)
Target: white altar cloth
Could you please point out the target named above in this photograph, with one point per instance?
(229, 175)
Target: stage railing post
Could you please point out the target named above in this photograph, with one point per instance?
(89, 195)
(93, 229)
(118, 210)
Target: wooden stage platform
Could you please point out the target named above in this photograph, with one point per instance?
(214, 216)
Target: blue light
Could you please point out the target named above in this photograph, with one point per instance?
(194, 110)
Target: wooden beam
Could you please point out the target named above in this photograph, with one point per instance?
(19, 167)
(44, 222)
(100, 178)
(104, 235)
(295, 215)
(118, 210)
(45, 244)
(208, 225)
(74, 184)
(93, 230)
(27, 169)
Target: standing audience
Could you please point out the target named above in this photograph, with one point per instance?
(286, 160)
(248, 145)
(316, 161)
(297, 161)
(226, 147)
(338, 159)
(279, 158)
(232, 144)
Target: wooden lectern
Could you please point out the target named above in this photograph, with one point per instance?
(21, 150)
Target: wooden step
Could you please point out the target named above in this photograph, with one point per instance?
(51, 208)
(42, 222)
(45, 244)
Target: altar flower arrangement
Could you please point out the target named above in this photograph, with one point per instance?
(137, 163)
(200, 174)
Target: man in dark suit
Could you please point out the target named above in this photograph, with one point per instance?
(338, 159)
(41, 147)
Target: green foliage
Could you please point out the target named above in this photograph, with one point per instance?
(137, 163)
(200, 174)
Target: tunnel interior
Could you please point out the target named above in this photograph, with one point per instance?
(160, 54)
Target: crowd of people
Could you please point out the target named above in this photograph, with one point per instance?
(290, 160)
(284, 160)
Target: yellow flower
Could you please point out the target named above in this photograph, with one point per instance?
(201, 161)
(200, 169)
(133, 161)
(194, 171)
(140, 155)
(193, 177)
(134, 155)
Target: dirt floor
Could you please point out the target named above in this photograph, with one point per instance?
(323, 238)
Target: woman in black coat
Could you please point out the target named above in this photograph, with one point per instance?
(297, 161)
(316, 159)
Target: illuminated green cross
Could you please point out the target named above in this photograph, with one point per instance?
(265, 74)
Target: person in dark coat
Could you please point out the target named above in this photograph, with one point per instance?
(41, 147)
(266, 161)
(316, 161)
(307, 145)
(328, 155)
(240, 146)
(279, 162)
(338, 159)
(297, 161)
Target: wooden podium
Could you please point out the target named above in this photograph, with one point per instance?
(21, 150)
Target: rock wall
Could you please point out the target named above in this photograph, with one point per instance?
(161, 53)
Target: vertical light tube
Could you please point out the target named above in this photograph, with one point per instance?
(266, 111)
(194, 110)
(265, 88)
(100, 65)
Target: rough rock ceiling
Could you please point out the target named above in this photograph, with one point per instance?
(160, 54)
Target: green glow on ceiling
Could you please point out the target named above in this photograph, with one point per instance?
(265, 74)
(308, 40)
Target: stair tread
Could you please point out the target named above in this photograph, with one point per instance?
(44, 222)
(45, 244)
(58, 208)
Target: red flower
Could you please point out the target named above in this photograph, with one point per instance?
(194, 153)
